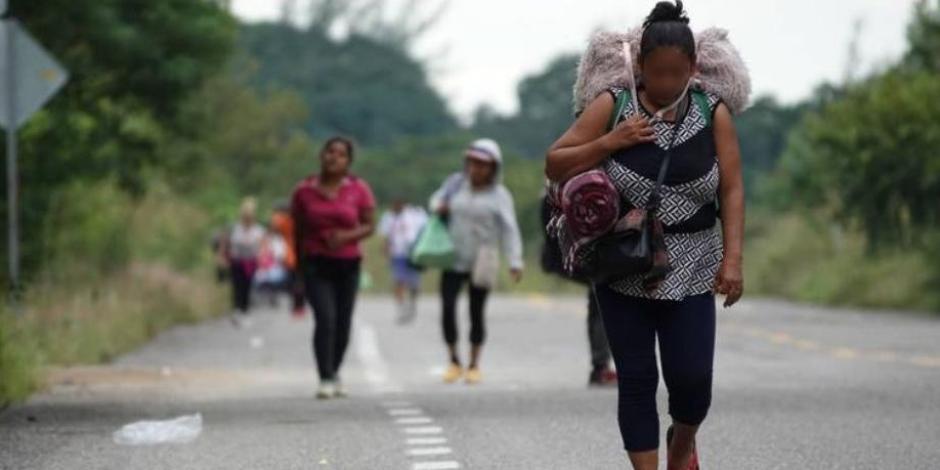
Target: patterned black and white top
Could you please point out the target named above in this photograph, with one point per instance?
(688, 210)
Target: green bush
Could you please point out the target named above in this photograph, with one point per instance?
(18, 359)
(119, 272)
(87, 231)
(802, 258)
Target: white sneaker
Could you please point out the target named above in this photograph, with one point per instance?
(338, 390)
(407, 311)
(326, 390)
(402, 317)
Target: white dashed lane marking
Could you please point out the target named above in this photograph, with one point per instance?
(414, 420)
(424, 430)
(423, 451)
(448, 465)
(425, 443)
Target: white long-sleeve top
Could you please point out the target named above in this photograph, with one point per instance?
(482, 217)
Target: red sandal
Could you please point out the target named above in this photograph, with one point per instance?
(693, 461)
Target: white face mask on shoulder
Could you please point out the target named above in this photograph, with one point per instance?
(658, 115)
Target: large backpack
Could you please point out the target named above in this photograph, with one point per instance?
(721, 70)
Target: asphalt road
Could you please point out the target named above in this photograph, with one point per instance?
(796, 388)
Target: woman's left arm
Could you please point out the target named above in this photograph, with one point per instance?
(367, 224)
(511, 236)
(730, 280)
(366, 207)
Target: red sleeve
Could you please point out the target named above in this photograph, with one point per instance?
(297, 215)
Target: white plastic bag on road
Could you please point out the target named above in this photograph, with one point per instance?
(182, 430)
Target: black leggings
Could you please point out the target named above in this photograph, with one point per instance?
(241, 286)
(295, 286)
(451, 283)
(686, 332)
(331, 286)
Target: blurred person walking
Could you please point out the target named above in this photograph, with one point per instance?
(481, 218)
(400, 227)
(332, 211)
(240, 250)
(601, 374)
(673, 152)
(271, 276)
(282, 223)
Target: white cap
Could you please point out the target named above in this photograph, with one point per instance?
(485, 149)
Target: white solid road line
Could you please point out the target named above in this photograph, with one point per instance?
(424, 430)
(367, 348)
(426, 451)
(444, 465)
(377, 374)
(426, 441)
(415, 420)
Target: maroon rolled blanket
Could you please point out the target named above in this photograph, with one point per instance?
(590, 204)
(584, 209)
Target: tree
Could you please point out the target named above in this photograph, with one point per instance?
(399, 28)
(359, 87)
(923, 35)
(872, 155)
(133, 65)
(763, 130)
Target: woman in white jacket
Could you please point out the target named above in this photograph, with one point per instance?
(481, 219)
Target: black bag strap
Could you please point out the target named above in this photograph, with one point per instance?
(652, 204)
(620, 104)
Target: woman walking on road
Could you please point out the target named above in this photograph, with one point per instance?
(400, 227)
(679, 310)
(481, 217)
(240, 251)
(332, 212)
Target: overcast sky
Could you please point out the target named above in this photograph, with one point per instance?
(482, 48)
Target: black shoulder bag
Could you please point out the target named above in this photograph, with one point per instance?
(636, 245)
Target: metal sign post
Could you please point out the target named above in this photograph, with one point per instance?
(29, 76)
(13, 228)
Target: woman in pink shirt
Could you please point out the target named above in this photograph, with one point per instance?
(333, 211)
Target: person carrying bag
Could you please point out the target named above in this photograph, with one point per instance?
(481, 220)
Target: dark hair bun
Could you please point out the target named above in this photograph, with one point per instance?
(667, 12)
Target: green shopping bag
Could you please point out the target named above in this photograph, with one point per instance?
(365, 280)
(434, 247)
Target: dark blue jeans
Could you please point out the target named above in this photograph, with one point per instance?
(686, 333)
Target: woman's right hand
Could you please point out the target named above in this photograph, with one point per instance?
(633, 131)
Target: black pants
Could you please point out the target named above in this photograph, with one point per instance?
(331, 286)
(295, 287)
(686, 333)
(597, 338)
(451, 284)
(241, 286)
